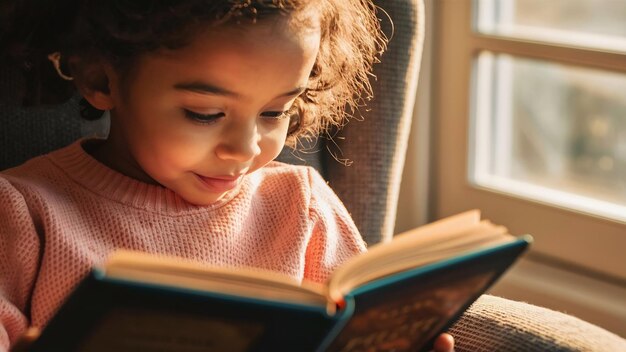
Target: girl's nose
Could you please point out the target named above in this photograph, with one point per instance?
(240, 143)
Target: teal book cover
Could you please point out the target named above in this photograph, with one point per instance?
(407, 311)
(116, 315)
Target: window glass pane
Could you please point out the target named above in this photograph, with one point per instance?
(586, 23)
(550, 132)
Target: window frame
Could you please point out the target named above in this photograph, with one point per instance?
(567, 238)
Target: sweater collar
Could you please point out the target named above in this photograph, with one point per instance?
(104, 181)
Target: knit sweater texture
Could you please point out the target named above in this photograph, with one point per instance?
(63, 213)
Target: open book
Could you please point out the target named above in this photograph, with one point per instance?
(398, 296)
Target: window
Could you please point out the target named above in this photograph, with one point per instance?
(545, 130)
(595, 24)
(530, 126)
(550, 132)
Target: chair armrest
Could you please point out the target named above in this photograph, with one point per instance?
(497, 324)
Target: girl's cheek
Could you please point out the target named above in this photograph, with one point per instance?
(271, 148)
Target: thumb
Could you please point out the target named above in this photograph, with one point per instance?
(444, 343)
(26, 340)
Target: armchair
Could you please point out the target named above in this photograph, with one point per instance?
(369, 186)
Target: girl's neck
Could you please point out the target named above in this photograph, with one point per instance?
(115, 158)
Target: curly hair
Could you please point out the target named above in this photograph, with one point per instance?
(119, 31)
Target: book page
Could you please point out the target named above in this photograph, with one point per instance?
(439, 240)
(241, 282)
(450, 224)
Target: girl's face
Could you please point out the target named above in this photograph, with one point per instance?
(197, 119)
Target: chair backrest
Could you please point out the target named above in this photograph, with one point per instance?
(375, 147)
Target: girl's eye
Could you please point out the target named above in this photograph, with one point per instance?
(203, 118)
(275, 115)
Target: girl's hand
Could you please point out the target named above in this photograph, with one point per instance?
(24, 342)
(444, 343)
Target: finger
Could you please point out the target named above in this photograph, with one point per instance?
(26, 340)
(444, 343)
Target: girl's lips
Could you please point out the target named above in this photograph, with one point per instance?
(220, 184)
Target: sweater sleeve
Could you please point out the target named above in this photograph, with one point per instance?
(19, 260)
(334, 238)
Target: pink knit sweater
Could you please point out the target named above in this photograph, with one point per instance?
(62, 213)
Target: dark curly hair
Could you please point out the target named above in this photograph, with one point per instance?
(118, 31)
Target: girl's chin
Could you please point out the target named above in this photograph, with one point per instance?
(202, 198)
(194, 191)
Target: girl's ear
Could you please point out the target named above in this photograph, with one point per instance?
(93, 81)
(98, 99)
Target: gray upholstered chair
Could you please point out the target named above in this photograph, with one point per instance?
(369, 186)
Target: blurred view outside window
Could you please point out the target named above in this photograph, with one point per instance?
(587, 23)
(545, 130)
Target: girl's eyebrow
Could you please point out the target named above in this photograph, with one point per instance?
(206, 88)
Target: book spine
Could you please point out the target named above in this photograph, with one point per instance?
(342, 317)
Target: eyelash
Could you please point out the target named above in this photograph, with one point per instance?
(277, 115)
(202, 118)
(212, 118)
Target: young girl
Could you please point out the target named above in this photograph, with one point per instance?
(202, 96)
